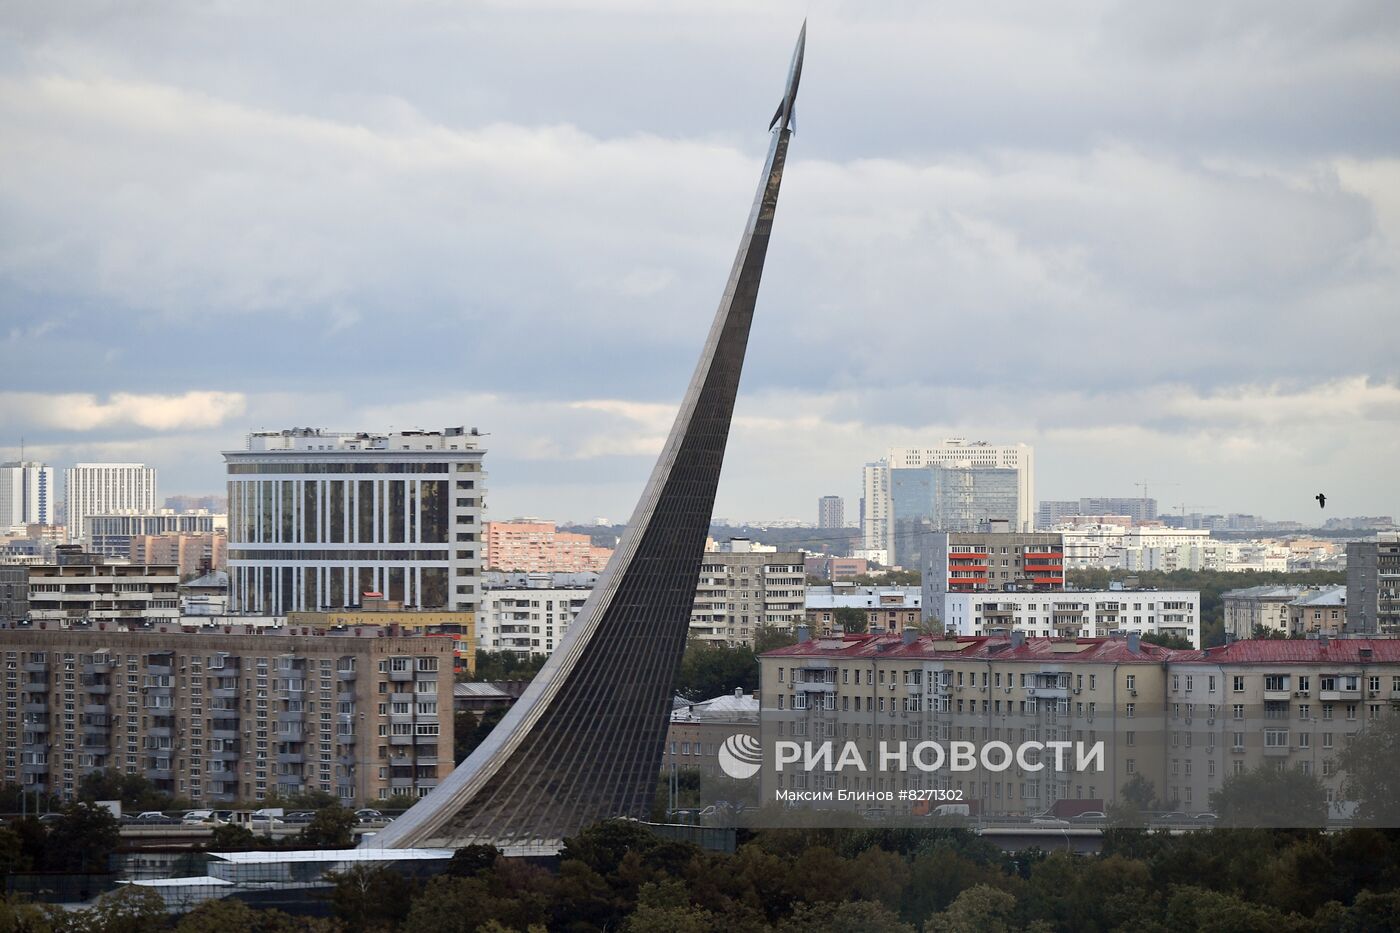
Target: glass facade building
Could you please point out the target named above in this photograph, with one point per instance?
(934, 498)
(317, 520)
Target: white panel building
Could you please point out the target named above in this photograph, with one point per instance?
(318, 519)
(529, 613)
(104, 489)
(26, 494)
(1081, 614)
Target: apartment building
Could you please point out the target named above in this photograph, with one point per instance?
(1182, 720)
(991, 562)
(1373, 585)
(530, 617)
(1323, 612)
(104, 489)
(537, 546)
(191, 554)
(886, 608)
(318, 519)
(27, 495)
(742, 589)
(111, 534)
(228, 715)
(1293, 703)
(84, 587)
(1076, 613)
(698, 729)
(1266, 608)
(870, 689)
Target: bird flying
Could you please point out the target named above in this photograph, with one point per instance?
(1321, 500)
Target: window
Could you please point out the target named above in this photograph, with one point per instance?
(1238, 710)
(1275, 682)
(1129, 709)
(1132, 682)
(1239, 684)
(1275, 738)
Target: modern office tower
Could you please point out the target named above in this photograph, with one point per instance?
(318, 519)
(831, 512)
(112, 534)
(105, 489)
(537, 546)
(956, 486)
(225, 716)
(741, 589)
(26, 494)
(1373, 585)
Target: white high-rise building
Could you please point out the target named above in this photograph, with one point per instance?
(319, 519)
(878, 527)
(103, 489)
(26, 494)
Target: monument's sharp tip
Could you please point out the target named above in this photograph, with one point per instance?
(785, 117)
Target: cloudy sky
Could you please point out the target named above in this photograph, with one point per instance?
(1157, 241)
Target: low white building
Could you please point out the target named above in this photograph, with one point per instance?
(1081, 614)
(528, 613)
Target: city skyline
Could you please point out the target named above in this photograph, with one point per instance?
(1137, 291)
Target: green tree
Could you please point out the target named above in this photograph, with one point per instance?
(470, 861)
(1167, 641)
(980, 909)
(12, 854)
(82, 840)
(848, 917)
(851, 619)
(710, 670)
(128, 909)
(1271, 796)
(768, 637)
(371, 897)
(471, 729)
(665, 907)
(1371, 762)
(506, 665)
(230, 837)
(331, 827)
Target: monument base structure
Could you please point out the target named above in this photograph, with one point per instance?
(585, 740)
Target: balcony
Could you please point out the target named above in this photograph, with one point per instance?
(1277, 751)
(400, 740)
(160, 670)
(35, 667)
(345, 675)
(34, 686)
(160, 774)
(400, 676)
(41, 709)
(97, 667)
(345, 697)
(291, 758)
(224, 693)
(426, 739)
(1278, 696)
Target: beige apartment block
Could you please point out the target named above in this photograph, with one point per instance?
(739, 591)
(1183, 720)
(86, 588)
(228, 716)
(873, 689)
(1293, 703)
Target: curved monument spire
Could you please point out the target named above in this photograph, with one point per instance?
(585, 740)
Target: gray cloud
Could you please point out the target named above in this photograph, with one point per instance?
(1149, 239)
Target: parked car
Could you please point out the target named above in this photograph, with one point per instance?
(1048, 821)
(299, 816)
(50, 817)
(153, 816)
(1089, 816)
(1176, 816)
(193, 817)
(368, 816)
(1207, 818)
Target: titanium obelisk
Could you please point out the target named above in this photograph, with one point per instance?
(585, 740)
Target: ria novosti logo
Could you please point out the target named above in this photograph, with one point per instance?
(740, 756)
